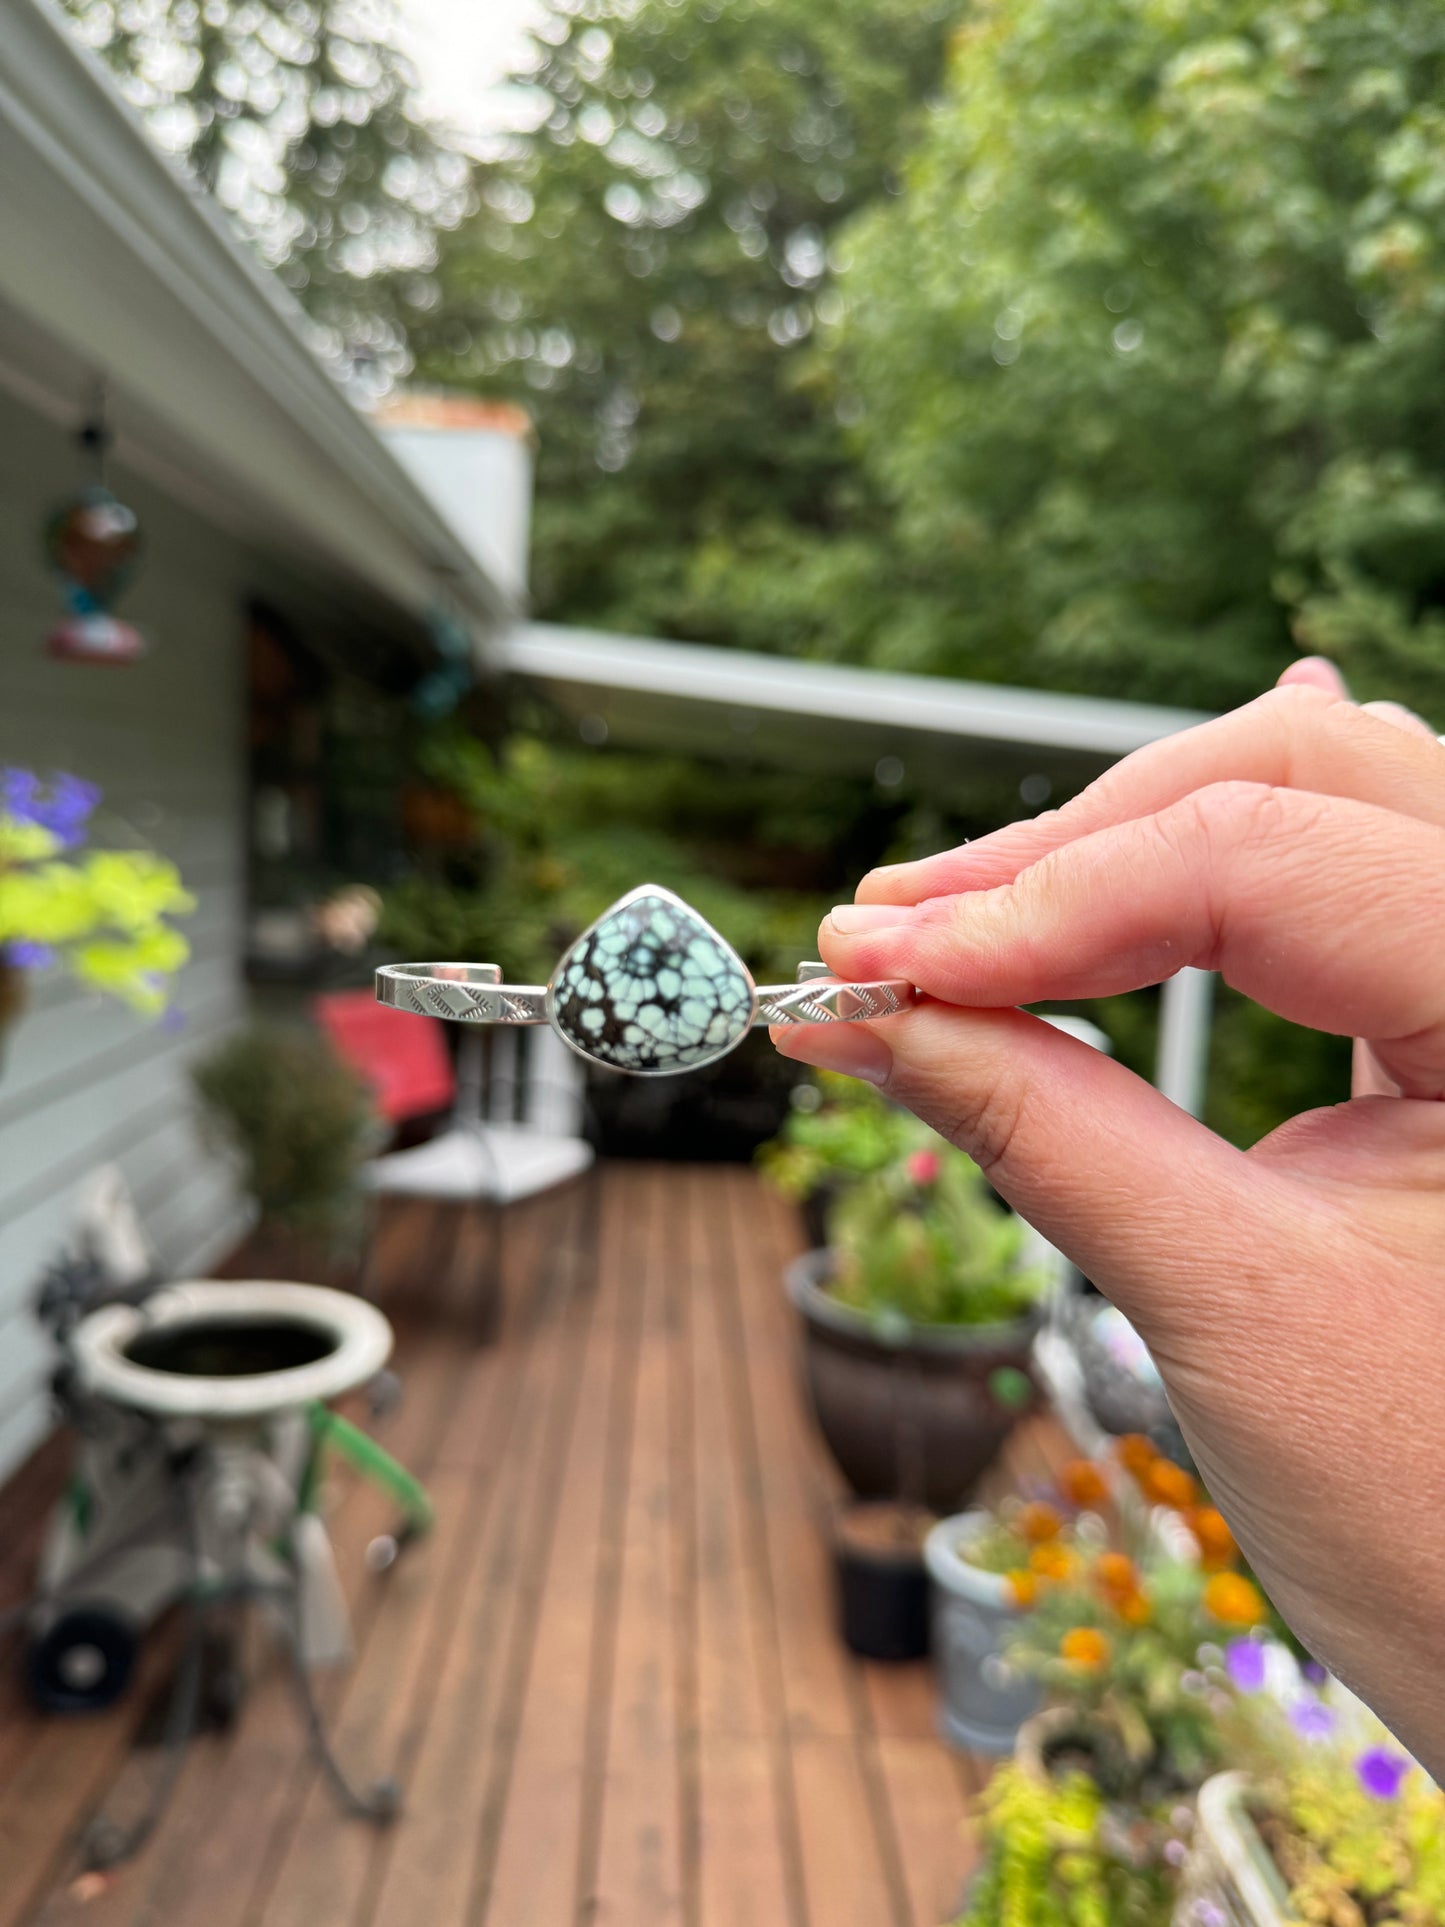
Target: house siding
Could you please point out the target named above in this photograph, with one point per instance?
(84, 1081)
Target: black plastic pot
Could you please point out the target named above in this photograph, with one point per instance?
(882, 1595)
(921, 1413)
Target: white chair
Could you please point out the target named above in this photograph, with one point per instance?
(515, 1132)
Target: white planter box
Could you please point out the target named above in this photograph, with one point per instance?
(1230, 1879)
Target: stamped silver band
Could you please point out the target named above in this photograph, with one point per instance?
(475, 994)
(650, 988)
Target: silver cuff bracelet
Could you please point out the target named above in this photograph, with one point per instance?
(650, 988)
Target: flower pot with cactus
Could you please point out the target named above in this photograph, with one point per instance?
(918, 1319)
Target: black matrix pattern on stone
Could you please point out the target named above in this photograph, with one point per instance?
(652, 988)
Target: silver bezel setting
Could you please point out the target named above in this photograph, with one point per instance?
(674, 901)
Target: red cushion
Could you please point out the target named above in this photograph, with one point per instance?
(403, 1058)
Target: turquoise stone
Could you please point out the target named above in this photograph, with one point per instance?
(652, 988)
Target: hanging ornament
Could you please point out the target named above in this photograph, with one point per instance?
(94, 545)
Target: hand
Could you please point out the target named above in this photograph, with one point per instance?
(1293, 1295)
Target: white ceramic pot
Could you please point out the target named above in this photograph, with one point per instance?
(985, 1698)
(1230, 1879)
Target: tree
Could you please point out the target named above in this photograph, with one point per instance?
(1145, 360)
(646, 269)
(296, 115)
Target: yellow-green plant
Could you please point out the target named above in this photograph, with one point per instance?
(1050, 1863)
(1356, 1828)
(103, 914)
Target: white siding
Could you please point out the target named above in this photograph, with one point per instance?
(82, 1080)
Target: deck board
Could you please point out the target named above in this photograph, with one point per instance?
(610, 1680)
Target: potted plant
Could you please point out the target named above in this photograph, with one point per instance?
(1327, 1819)
(882, 1583)
(838, 1130)
(1052, 1858)
(917, 1321)
(985, 1572)
(299, 1124)
(103, 914)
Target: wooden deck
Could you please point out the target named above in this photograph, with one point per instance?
(609, 1681)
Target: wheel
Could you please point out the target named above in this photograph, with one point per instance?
(82, 1661)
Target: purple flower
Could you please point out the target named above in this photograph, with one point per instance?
(1314, 1672)
(64, 809)
(1208, 1914)
(18, 791)
(25, 955)
(1244, 1659)
(1380, 1771)
(1313, 1720)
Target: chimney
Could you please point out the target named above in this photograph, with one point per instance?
(473, 462)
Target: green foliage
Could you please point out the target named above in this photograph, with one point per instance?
(645, 271)
(1049, 1862)
(1145, 358)
(296, 115)
(922, 1241)
(562, 833)
(103, 913)
(298, 1122)
(839, 1129)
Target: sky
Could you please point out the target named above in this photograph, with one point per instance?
(462, 49)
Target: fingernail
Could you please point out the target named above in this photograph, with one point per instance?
(853, 919)
(848, 1049)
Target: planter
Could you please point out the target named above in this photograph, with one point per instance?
(882, 1582)
(1230, 1879)
(985, 1701)
(908, 1415)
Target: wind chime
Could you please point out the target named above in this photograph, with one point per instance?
(94, 544)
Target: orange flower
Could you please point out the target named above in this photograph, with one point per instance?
(1118, 1581)
(1038, 1522)
(1082, 1483)
(1234, 1600)
(1134, 1609)
(1216, 1542)
(1023, 1587)
(1116, 1574)
(1136, 1453)
(1087, 1648)
(1169, 1484)
(1054, 1561)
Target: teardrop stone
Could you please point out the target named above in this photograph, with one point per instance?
(652, 988)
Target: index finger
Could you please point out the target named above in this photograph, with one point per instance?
(1329, 912)
(1299, 737)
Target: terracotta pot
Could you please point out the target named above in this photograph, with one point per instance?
(1230, 1875)
(911, 1416)
(985, 1701)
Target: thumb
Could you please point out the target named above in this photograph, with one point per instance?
(1161, 1214)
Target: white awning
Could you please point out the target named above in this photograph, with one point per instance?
(731, 703)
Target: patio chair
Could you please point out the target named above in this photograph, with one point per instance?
(515, 1129)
